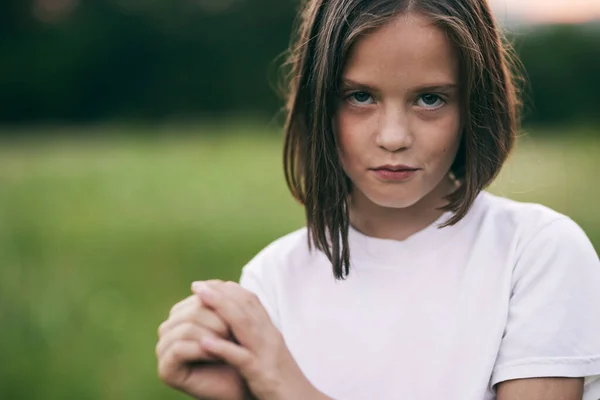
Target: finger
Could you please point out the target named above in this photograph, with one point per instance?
(213, 283)
(192, 299)
(185, 303)
(241, 313)
(246, 299)
(181, 353)
(200, 316)
(224, 305)
(237, 356)
(184, 332)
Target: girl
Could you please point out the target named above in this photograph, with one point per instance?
(410, 281)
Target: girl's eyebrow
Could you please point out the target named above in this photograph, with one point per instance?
(442, 87)
(436, 87)
(350, 83)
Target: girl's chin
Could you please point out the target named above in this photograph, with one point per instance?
(398, 202)
(387, 196)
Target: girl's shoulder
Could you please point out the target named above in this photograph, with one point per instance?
(288, 245)
(517, 211)
(282, 253)
(525, 219)
(532, 229)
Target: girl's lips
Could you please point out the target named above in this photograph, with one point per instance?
(396, 167)
(398, 175)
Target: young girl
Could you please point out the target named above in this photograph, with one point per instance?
(410, 281)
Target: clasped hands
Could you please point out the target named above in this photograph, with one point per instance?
(220, 344)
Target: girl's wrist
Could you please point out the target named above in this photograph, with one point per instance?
(301, 390)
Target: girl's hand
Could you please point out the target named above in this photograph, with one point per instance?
(184, 365)
(262, 356)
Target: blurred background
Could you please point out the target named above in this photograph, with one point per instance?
(140, 147)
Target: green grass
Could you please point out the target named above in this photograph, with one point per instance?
(98, 238)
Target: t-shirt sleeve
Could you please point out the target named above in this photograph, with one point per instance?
(255, 279)
(553, 325)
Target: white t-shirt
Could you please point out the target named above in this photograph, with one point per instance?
(511, 291)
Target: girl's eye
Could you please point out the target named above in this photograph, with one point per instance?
(430, 101)
(360, 98)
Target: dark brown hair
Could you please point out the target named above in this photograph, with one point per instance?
(327, 29)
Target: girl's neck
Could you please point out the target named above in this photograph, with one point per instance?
(398, 223)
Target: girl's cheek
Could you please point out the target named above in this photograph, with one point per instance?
(347, 129)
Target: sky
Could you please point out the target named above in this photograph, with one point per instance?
(542, 11)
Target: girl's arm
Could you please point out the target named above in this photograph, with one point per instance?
(541, 389)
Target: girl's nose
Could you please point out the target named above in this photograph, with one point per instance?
(393, 131)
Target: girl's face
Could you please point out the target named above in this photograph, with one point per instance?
(398, 120)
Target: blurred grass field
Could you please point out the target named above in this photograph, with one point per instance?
(100, 237)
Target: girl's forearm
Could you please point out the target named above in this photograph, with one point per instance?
(322, 396)
(312, 393)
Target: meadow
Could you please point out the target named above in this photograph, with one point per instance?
(100, 234)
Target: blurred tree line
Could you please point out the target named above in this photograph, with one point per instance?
(76, 61)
